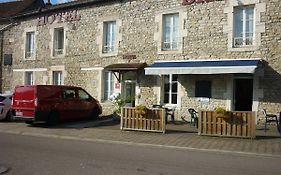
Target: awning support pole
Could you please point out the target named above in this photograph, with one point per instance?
(118, 77)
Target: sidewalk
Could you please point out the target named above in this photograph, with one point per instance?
(178, 136)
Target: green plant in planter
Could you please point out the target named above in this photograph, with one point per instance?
(222, 113)
(141, 109)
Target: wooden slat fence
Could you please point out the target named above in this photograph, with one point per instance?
(153, 120)
(237, 124)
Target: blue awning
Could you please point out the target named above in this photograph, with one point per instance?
(203, 67)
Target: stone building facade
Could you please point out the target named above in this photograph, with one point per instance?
(86, 43)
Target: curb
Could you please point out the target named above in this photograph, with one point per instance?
(141, 144)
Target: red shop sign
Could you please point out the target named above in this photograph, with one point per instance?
(189, 2)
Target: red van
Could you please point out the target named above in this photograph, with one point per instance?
(53, 103)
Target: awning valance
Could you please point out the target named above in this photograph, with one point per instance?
(121, 67)
(203, 67)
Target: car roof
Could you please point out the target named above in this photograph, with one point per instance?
(6, 95)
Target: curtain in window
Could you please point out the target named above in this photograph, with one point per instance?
(29, 44)
(29, 78)
(170, 31)
(170, 89)
(243, 25)
(58, 41)
(108, 85)
(109, 36)
(57, 77)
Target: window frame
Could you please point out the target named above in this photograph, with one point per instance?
(56, 44)
(59, 79)
(29, 78)
(169, 91)
(110, 80)
(260, 7)
(173, 35)
(109, 29)
(244, 20)
(29, 52)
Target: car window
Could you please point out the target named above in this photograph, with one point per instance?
(2, 98)
(83, 95)
(68, 94)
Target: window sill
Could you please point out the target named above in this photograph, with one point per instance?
(111, 54)
(29, 59)
(163, 52)
(243, 49)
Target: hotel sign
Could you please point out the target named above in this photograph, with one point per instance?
(60, 17)
(189, 2)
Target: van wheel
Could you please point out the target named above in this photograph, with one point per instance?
(53, 119)
(94, 114)
(29, 122)
(8, 116)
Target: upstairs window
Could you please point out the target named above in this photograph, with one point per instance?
(109, 36)
(57, 77)
(58, 41)
(29, 79)
(170, 89)
(243, 26)
(170, 39)
(29, 45)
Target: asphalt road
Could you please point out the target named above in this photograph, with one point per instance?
(29, 155)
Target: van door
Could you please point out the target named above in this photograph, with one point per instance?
(85, 103)
(24, 100)
(68, 108)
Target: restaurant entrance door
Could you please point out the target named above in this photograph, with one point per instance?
(243, 94)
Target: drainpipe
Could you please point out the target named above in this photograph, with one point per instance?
(2, 48)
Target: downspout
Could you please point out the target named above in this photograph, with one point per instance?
(2, 49)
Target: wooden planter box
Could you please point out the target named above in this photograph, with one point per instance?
(236, 124)
(151, 120)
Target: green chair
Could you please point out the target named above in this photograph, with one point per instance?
(194, 117)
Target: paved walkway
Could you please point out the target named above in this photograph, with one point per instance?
(178, 136)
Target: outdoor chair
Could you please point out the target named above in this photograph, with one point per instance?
(168, 112)
(270, 118)
(194, 117)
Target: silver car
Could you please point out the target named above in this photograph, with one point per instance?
(5, 106)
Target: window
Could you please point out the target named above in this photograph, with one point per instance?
(57, 77)
(170, 39)
(243, 26)
(108, 85)
(83, 95)
(68, 94)
(170, 89)
(203, 89)
(29, 78)
(29, 45)
(58, 41)
(109, 36)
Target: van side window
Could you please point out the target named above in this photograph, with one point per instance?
(68, 94)
(83, 95)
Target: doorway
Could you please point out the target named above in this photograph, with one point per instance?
(243, 94)
(130, 92)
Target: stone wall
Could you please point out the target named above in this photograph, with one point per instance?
(204, 39)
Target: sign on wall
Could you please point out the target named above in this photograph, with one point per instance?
(60, 17)
(189, 2)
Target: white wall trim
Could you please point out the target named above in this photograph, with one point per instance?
(30, 70)
(91, 68)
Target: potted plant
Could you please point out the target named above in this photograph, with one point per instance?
(141, 109)
(222, 113)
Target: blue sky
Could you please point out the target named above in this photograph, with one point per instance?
(52, 1)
